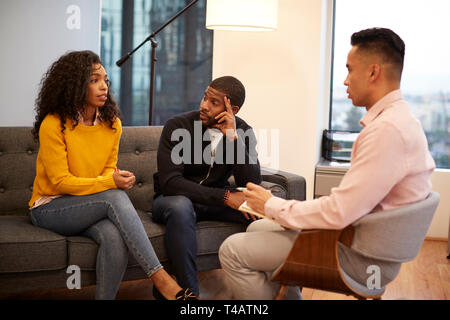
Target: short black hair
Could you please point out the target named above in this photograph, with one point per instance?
(232, 87)
(383, 42)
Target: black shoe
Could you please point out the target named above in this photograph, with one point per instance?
(186, 294)
(183, 294)
(157, 295)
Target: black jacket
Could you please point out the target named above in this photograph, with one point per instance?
(185, 162)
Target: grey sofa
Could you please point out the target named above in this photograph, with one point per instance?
(33, 258)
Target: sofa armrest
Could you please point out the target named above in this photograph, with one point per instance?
(294, 184)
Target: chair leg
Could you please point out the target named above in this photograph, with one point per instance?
(281, 292)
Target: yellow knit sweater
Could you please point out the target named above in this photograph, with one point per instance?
(77, 162)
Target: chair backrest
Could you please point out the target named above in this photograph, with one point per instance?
(395, 235)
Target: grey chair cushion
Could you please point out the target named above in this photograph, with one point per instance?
(386, 239)
(24, 247)
(359, 288)
(358, 267)
(395, 235)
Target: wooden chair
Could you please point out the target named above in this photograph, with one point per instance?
(390, 237)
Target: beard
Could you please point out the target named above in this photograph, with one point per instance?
(208, 121)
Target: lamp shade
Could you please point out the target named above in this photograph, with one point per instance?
(242, 15)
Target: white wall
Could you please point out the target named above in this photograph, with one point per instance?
(286, 74)
(34, 34)
(440, 225)
(281, 73)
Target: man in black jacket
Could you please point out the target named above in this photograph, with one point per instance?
(198, 152)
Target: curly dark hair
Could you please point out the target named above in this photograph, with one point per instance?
(64, 90)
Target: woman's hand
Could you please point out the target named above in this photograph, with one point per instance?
(124, 179)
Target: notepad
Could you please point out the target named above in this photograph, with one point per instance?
(246, 208)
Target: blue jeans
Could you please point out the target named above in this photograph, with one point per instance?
(180, 215)
(110, 219)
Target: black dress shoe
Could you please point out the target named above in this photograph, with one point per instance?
(183, 294)
(157, 295)
(186, 294)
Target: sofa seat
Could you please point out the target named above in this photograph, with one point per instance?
(82, 251)
(33, 258)
(26, 248)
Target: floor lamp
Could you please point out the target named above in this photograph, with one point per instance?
(236, 15)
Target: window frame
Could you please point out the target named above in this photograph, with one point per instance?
(428, 132)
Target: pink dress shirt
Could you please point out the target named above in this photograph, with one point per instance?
(390, 167)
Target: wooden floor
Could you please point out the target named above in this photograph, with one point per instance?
(425, 278)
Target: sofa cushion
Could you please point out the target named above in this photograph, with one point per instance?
(210, 235)
(137, 153)
(25, 247)
(82, 251)
(18, 152)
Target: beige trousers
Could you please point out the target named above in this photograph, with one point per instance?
(250, 258)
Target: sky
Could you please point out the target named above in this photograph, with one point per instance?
(424, 26)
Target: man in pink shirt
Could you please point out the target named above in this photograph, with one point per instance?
(390, 168)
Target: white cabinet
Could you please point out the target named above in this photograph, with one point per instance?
(328, 175)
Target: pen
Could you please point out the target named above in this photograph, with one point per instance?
(242, 189)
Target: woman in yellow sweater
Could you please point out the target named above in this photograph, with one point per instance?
(77, 189)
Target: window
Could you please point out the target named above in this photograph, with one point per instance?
(423, 25)
(184, 52)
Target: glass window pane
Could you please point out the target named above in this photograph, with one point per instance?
(423, 26)
(184, 57)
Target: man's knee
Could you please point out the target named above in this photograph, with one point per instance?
(176, 208)
(228, 249)
(264, 225)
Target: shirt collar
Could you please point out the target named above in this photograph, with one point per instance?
(215, 137)
(380, 106)
(96, 120)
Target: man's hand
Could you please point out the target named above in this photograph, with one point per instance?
(256, 197)
(235, 200)
(226, 121)
(124, 179)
